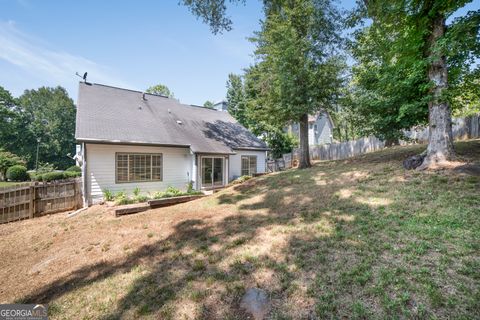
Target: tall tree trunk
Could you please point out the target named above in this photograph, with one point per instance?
(440, 140)
(304, 156)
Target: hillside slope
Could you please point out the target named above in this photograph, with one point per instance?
(359, 238)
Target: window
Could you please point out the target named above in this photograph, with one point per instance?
(139, 167)
(249, 165)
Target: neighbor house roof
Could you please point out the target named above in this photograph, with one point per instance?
(314, 117)
(113, 115)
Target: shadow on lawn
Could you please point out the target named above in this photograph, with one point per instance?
(186, 256)
(194, 252)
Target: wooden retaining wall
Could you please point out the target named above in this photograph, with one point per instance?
(34, 199)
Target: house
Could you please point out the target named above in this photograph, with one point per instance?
(320, 128)
(129, 139)
(220, 106)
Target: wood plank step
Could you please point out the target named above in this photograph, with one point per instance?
(132, 208)
(174, 200)
(157, 203)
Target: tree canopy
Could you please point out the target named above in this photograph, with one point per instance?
(298, 69)
(160, 89)
(208, 104)
(413, 67)
(237, 100)
(45, 118)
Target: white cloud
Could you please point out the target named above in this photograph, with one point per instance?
(45, 65)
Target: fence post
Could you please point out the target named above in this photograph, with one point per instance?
(75, 194)
(32, 201)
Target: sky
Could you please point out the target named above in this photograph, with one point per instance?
(127, 43)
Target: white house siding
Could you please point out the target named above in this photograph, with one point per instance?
(235, 163)
(323, 134)
(177, 169)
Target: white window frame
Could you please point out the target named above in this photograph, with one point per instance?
(129, 169)
(250, 157)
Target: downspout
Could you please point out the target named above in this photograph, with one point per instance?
(84, 183)
(84, 175)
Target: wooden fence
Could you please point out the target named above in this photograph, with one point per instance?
(348, 149)
(29, 200)
(462, 128)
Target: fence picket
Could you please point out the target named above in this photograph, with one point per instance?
(34, 199)
(462, 128)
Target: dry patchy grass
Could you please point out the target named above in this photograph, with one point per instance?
(360, 238)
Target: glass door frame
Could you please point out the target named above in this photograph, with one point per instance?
(212, 184)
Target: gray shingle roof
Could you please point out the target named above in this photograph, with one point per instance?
(114, 115)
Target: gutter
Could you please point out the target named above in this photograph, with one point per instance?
(136, 143)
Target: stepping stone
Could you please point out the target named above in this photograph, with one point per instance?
(256, 303)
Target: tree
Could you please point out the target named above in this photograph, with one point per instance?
(279, 142)
(297, 68)
(386, 95)
(212, 12)
(47, 118)
(9, 120)
(417, 48)
(241, 94)
(208, 104)
(236, 99)
(7, 160)
(160, 89)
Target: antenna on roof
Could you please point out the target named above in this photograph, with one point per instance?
(84, 76)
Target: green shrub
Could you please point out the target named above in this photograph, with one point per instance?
(190, 187)
(17, 173)
(140, 198)
(122, 198)
(107, 195)
(173, 192)
(74, 169)
(122, 201)
(45, 168)
(7, 160)
(158, 195)
(33, 176)
(136, 191)
(51, 176)
(241, 179)
(72, 174)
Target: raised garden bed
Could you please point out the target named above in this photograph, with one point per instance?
(157, 203)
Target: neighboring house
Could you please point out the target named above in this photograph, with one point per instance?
(220, 106)
(132, 139)
(320, 128)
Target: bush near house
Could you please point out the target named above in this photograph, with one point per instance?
(7, 160)
(241, 179)
(122, 198)
(74, 169)
(17, 173)
(54, 175)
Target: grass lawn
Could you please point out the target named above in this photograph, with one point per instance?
(360, 239)
(7, 184)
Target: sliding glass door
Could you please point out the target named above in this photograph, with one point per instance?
(212, 172)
